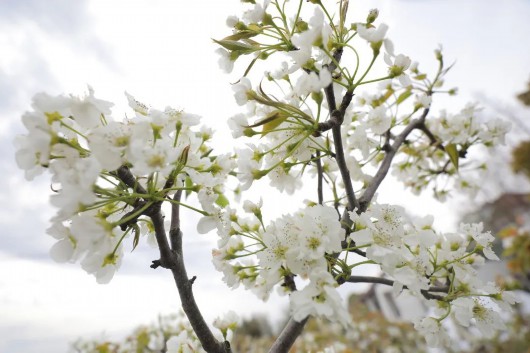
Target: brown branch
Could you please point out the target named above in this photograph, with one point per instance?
(290, 332)
(338, 115)
(175, 236)
(434, 141)
(345, 245)
(126, 176)
(389, 282)
(366, 198)
(167, 257)
(320, 176)
(174, 260)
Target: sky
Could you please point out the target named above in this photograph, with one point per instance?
(161, 52)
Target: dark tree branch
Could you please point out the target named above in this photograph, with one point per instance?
(174, 260)
(345, 245)
(290, 332)
(136, 212)
(167, 257)
(126, 176)
(366, 198)
(175, 235)
(389, 282)
(337, 115)
(434, 141)
(320, 176)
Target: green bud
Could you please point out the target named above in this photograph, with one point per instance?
(252, 95)
(318, 97)
(240, 26)
(395, 71)
(248, 132)
(376, 47)
(372, 15)
(438, 54)
(267, 20)
(258, 174)
(302, 26)
(263, 55)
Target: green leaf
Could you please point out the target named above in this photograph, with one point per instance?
(189, 185)
(222, 201)
(271, 121)
(136, 240)
(183, 159)
(420, 77)
(452, 152)
(234, 45)
(240, 35)
(403, 96)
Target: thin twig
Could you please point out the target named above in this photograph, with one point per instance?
(338, 116)
(366, 198)
(389, 282)
(320, 176)
(167, 257)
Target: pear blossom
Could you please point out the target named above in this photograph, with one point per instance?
(183, 343)
(319, 298)
(397, 68)
(228, 322)
(372, 34)
(318, 31)
(312, 82)
(256, 13)
(89, 110)
(225, 62)
(240, 90)
(237, 124)
(379, 121)
(433, 331)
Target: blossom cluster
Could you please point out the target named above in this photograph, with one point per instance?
(313, 114)
(418, 258)
(316, 94)
(87, 152)
(293, 245)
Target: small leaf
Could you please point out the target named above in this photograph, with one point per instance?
(136, 240)
(403, 96)
(183, 159)
(420, 77)
(189, 185)
(240, 35)
(271, 121)
(234, 45)
(222, 201)
(453, 154)
(271, 125)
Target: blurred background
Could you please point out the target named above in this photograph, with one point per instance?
(161, 52)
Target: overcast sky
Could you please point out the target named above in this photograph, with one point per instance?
(161, 52)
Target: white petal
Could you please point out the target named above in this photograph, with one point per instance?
(62, 251)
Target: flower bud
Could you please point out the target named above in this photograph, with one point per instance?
(372, 15)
